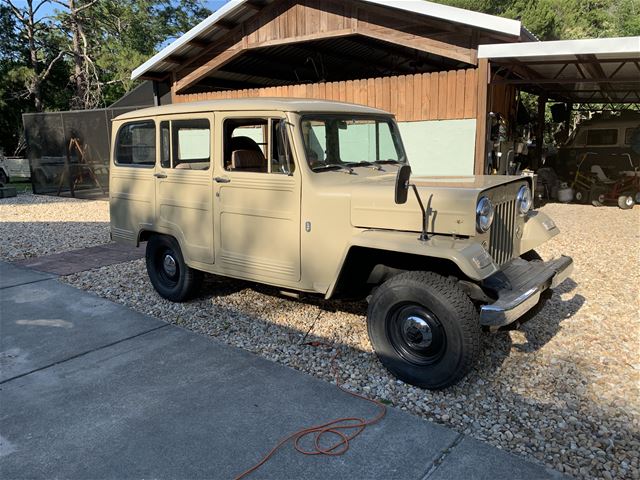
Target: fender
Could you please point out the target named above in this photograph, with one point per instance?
(466, 253)
(538, 228)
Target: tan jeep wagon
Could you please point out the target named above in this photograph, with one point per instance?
(313, 196)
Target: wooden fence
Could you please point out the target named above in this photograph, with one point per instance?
(423, 96)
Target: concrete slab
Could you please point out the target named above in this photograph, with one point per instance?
(11, 275)
(473, 459)
(171, 404)
(47, 322)
(74, 261)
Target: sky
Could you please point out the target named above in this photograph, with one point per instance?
(49, 8)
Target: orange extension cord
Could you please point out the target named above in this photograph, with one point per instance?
(334, 427)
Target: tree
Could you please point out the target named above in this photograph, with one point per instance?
(35, 32)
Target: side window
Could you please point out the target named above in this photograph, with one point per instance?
(258, 145)
(165, 144)
(602, 137)
(632, 136)
(185, 144)
(136, 144)
(281, 157)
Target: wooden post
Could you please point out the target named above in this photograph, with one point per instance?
(481, 116)
(542, 104)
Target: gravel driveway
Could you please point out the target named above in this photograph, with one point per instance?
(36, 225)
(562, 390)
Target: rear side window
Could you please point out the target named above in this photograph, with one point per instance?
(632, 136)
(185, 144)
(136, 144)
(607, 136)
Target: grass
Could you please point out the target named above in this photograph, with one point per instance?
(22, 186)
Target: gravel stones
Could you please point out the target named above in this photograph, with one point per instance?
(36, 225)
(563, 390)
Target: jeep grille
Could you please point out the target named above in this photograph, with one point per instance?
(501, 238)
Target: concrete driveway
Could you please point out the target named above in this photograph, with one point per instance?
(91, 389)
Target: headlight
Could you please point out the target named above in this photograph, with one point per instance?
(484, 215)
(524, 200)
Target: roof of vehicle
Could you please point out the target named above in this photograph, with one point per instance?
(610, 122)
(253, 104)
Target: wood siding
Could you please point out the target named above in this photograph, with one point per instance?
(427, 96)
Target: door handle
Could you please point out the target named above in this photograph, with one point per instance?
(160, 175)
(222, 180)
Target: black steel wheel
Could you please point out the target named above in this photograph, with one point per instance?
(581, 196)
(172, 278)
(424, 329)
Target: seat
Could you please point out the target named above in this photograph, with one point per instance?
(248, 161)
(602, 177)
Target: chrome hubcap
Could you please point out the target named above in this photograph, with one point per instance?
(416, 332)
(169, 265)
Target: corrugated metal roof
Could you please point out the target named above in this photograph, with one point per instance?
(587, 71)
(237, 11)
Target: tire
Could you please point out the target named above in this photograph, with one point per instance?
(581, 196)
(637, 197)
(530, 256)
(4, 179)
(172, 278)
(626, 202)
(598, 196)
(438, 307)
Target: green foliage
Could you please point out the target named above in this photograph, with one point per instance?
(564, 19)
(120, 34)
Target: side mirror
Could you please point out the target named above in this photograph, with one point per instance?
(402, 184)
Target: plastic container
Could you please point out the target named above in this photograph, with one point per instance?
(565, 193)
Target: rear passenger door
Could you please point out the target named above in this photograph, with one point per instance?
(184, 191)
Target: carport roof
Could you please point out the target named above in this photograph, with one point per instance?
(234, 12)
(601, 70)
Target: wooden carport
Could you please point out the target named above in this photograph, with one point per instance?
(416, 59)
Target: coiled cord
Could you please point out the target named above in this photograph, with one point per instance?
(338, 428)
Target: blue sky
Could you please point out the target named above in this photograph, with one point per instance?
(47, 9)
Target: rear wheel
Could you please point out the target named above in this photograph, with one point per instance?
(424, 329)
(626, 202)
(598, 196)
(581, 196)
(172, 278)
(3, 178)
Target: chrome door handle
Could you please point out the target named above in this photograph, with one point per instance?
(222, 180)
(160, 175)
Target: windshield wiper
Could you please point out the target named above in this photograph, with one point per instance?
(328, 166)
(366, 164)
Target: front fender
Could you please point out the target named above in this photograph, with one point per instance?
(538, 229)
(468, 255)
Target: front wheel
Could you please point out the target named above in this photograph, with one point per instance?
(424, 329)
(626, 202)
(172, 278)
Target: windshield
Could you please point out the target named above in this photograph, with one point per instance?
(347, 141)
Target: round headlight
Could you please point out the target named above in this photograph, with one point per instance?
(524, 200)
(484, 215)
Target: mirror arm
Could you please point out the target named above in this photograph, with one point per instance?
(424, 236)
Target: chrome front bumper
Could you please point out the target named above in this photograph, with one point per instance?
(521, 284)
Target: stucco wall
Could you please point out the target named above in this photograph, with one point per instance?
(440, 147)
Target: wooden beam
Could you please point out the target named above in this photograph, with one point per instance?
(417, 42)
(199, 43)
(202, 71)
(482, 94)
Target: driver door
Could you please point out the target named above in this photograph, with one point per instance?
(257, 199)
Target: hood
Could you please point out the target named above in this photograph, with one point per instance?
(451, 202)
